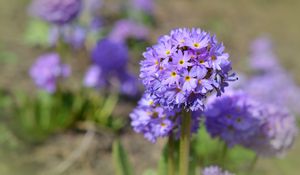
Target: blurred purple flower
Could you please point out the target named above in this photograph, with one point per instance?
(214, 170)
(146, 6)
(234, 117)
(93, 77)
(75, 36)
(262, 57)
(125, 29)
(110, 61)
(47, 70)
(277, 133)
(58, 12)
(275, 88)
(110, 56)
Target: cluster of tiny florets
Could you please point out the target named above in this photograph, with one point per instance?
(276, 135)
(214, 170)
(151, 120)
(234, 117)
(154, 121)
(56, 11)
(184, 67)
(110, 60)
(47, 70)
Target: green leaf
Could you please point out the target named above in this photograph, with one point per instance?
(37, 33)
(122, 165)
(150, 172)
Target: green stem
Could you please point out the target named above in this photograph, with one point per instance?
(224, 153)
(184, 149)
(253, 163)
(171, 160)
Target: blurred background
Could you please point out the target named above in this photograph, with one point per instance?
(71, 130)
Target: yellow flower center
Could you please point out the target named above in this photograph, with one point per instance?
(181, 62)
(197, 45)
(187, 78)
(154, 115)
(213, 58)
(168, 52)
(173, 74)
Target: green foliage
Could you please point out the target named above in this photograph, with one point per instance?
(122, 165)
(36, 33)
(210, 151)
(36, 117)
(8, 57)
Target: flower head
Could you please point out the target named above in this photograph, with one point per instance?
(214, 170)
(234, 117)
(125, 29)
(277, 133)
(277, 88)
(56, 11)
(184, 67)
(47, 70)
(110, 56)
(110, 61)
(145, 6)
(262, 57)
(154, 121)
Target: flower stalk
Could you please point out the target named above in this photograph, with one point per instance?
(171, 159)
(184, 149)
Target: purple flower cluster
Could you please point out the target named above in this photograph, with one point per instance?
(238, 119)
(184, 67)
(154, 121)
(214, 170)
(146, 6)
(275, 88)
(234, 117)
(47, 70)
(110, 61)
(262, 57)
(58, 12)
(72, 35)
(277, 133)
(125, 29)
(272, 84)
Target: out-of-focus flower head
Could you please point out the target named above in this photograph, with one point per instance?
(146, 6)
(277, 133)
(276, 88)
(58, 12)
(110, 61)
(184, 67)
(75, 35)
(214, 170)
(47, 70)
(110, 56)
(125, 29)
(262, 57)
(234, 117)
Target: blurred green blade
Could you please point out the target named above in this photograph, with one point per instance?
(122, 165)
